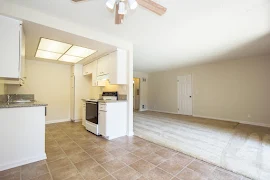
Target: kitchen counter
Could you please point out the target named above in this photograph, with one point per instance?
(25, 104)
(111, 101)
(106, 101)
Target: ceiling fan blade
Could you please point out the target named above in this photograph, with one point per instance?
(118, 17)
(152, 6)
(77, 0)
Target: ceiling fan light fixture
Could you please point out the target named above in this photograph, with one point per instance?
(110, 4)
(122, 8)
(132, 4)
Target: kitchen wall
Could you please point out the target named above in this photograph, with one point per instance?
(236, 90)
(50, 82)
(143, 89)
(2, 89)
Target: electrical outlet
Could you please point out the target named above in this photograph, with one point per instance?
(143, 106)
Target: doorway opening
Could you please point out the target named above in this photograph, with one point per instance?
(136, 94)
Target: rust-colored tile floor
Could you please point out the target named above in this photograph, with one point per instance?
(75, 154)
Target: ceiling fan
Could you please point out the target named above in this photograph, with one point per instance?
(120, 7)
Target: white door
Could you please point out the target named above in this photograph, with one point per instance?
(184, 94)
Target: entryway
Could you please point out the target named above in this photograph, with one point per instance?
(136, 94)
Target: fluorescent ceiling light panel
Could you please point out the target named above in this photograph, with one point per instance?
(72, 59)
(48, 55)
(80, 51)
(53, 46)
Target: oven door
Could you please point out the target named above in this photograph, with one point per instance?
(92, 112)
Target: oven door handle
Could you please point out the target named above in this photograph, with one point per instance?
(91, 103)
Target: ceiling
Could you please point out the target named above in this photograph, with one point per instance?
(33, 33)
(191, 32)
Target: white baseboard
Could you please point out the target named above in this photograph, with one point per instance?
(163, 111)
(232, 120)
(57, 121)
(22, 162)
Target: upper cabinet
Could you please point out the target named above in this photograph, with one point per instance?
(103, 65)
(112, 67)
(12, 49)
(118, 67)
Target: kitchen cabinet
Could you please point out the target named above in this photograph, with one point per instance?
(103, 65)
(91, 69)
(83, 113)
(112, 118)
(12, 49)
(118, 67)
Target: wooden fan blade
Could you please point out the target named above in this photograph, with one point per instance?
(152, 6)
(118, 17)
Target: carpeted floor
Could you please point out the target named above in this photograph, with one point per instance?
(244, 149)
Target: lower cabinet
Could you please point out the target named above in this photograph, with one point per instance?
(83, 113)
(112, 119)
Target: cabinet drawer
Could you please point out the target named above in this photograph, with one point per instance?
(102, 107)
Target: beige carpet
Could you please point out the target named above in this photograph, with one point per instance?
(244, 149)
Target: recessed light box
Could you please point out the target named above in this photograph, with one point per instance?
(53, 46)
(72, 59)
(80, 51)
(48, 55)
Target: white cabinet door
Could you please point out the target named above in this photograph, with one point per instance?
(118, 67)
(10, 45)
(87, 69)
(102, 123)
(83, 113)
(103, 65)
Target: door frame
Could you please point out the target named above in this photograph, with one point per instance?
(135, 94)
(178, 95)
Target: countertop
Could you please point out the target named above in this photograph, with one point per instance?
(17, 105)
(109, 101)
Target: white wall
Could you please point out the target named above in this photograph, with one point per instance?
(228, 90)
(143, 89)
(50, 83)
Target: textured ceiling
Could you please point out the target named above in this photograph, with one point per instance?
(191, 32)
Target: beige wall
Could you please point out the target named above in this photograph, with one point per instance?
(2, 89)
(50, 82)
(228, 90)
(143, 89)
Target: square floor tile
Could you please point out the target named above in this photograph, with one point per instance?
(54, 165)
(142, 152)
(43, 177)
(127, 173)
(201, 167)
(158, 174)
(79, 157)
(166, 153)
(142, 166)
(154, 159)
(33, 170)
(114, 165)
(104, 157)
(128, 158)
(64, 172)
(95, 173)
(86, 164)
(171, 167)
